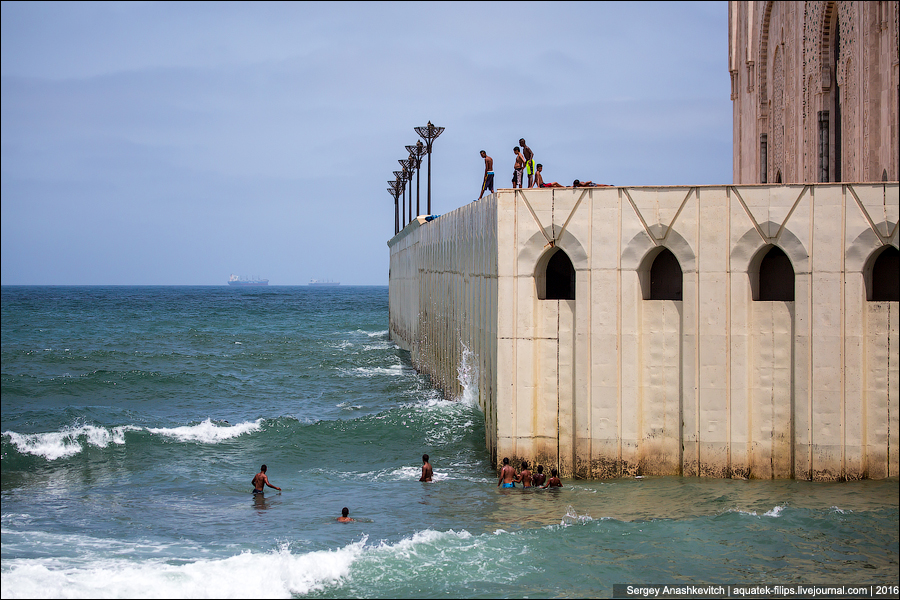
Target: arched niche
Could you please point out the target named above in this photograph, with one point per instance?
(661, 276)
(640, 250)
(882, 275)
(534, 250)
(750, 246)
(772, 275)
(555, 276)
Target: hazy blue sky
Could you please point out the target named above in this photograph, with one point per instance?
(157, 143)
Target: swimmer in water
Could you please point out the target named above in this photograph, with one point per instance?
(554, 480)
(507, 475)
(260, 480)
(427, 473)
(525, 476)
(344, 518)
(539, 478)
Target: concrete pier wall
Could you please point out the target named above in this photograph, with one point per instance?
(443, 300)
(717, 380)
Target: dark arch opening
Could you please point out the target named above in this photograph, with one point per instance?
(886, 276)
(560, 278)
(776, 277)
(666, 277)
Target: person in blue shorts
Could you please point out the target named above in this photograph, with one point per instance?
(507, 475)
(488, 182)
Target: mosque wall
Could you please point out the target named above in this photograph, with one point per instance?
(815, 87)
(725, 376)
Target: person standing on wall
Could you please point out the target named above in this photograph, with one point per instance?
(518, 168)
(488, 182)
(529, 162)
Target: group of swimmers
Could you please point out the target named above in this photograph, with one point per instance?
(524, 163)
(509, 479)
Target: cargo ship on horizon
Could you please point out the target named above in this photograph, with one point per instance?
(235, 280)
(322, 282)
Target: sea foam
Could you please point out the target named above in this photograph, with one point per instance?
(71, 440)
(277, 574)
(208, 432)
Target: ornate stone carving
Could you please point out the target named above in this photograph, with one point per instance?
(805, 55)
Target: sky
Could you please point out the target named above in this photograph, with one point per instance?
(179, 143)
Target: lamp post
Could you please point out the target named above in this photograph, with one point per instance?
(394, 190)
(416, 152)
(429, 133)
(401, 185)
(407, 177)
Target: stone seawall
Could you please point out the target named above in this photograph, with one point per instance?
(722, 331)
(443, 300)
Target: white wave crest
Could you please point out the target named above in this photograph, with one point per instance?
(275, 574)
(69, 441)
(373, 371)
(427, 537)
(207, 432)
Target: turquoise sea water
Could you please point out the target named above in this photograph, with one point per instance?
(133, 419)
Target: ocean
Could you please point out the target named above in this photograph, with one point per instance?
(134, 418)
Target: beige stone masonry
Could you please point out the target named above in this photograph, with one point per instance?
(613, 383)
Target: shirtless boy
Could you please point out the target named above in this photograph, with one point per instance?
(539, 478)
(427, 473)
(529, 162)
(488, 183)
(518, 168)
(260, 480)
(554, 480)
(539, 179)
(525, 475)
(507, 475)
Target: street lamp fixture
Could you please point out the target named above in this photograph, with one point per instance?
(394, 190)
(429, 133)
(401, 184)
(407, 177)
(416, 152)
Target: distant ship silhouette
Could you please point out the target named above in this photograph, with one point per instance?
(235, 280)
